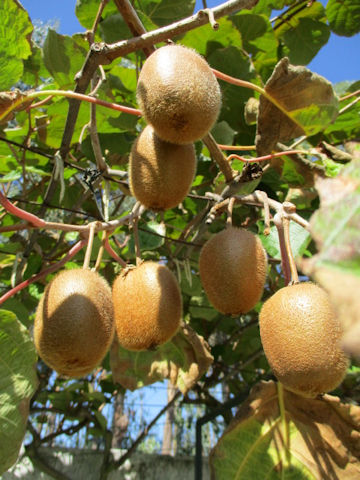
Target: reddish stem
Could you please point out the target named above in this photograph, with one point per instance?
(265, 157)
(112, 252)
(19, 212)
(71, 253)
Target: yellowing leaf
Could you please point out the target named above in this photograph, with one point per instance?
(321, 441)
(183, 360)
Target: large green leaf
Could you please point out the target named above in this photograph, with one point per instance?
(259, 40)
(64, 57)
(18, 382)
(86, 11)
(15, 34)
(183, 360)
(318, 443)
(344, 16)
(305, 40)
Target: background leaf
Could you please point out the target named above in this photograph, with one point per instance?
(253, 445)
(18, 382)
(344, 16)
(15, 34)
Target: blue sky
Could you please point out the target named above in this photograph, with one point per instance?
(338, 60)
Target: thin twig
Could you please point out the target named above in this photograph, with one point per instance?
(293, 269)
(72, 252)
(90, 242)
(230, 207)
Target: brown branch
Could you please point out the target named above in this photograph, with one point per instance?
(133, 21)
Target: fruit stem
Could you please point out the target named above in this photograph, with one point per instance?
(112, 252)
(230, 208)
(293, 269)
(278, 221)
(71, 253)
(285, 424)
(136, 240)
(219, 157)
(90, 242)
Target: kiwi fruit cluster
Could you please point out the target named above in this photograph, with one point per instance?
(147, 306)
(74, 322)
(180, 99)
(232, 268)
(78, 315)
(301, 337)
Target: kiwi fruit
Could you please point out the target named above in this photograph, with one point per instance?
(147, 306)
(178, 94)
(232, 268)
(160, 173)
(74, 322)
(301, 338)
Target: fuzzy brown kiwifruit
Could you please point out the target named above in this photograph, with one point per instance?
(178, 94)
(160, 173)
(301, 339)
(147, 306)
(232, 269)
(74, 322)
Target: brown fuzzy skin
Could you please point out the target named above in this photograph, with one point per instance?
(74, 322)
(178, 94)
(147, 306)
(160, 173)
(232, 269)
(301, 339)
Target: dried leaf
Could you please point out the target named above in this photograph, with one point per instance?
(308, 98)
(323, 441)
(14, 98)
(183, 361)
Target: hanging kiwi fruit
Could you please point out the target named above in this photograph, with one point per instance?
(301, 336)
(160, 173)
(178, 94)
(147, 306)
(74, 322)
(232, 268)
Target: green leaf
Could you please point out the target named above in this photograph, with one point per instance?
(305, 40)
(15, 34)
(183, 360)
(151, 237)
(18, 382)
(64, 57)
(86, 11)
(232, 61)
(206, 38)
(162, 12)
(344, 16)
(259, 40)
(256, 444)
(299, 241)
